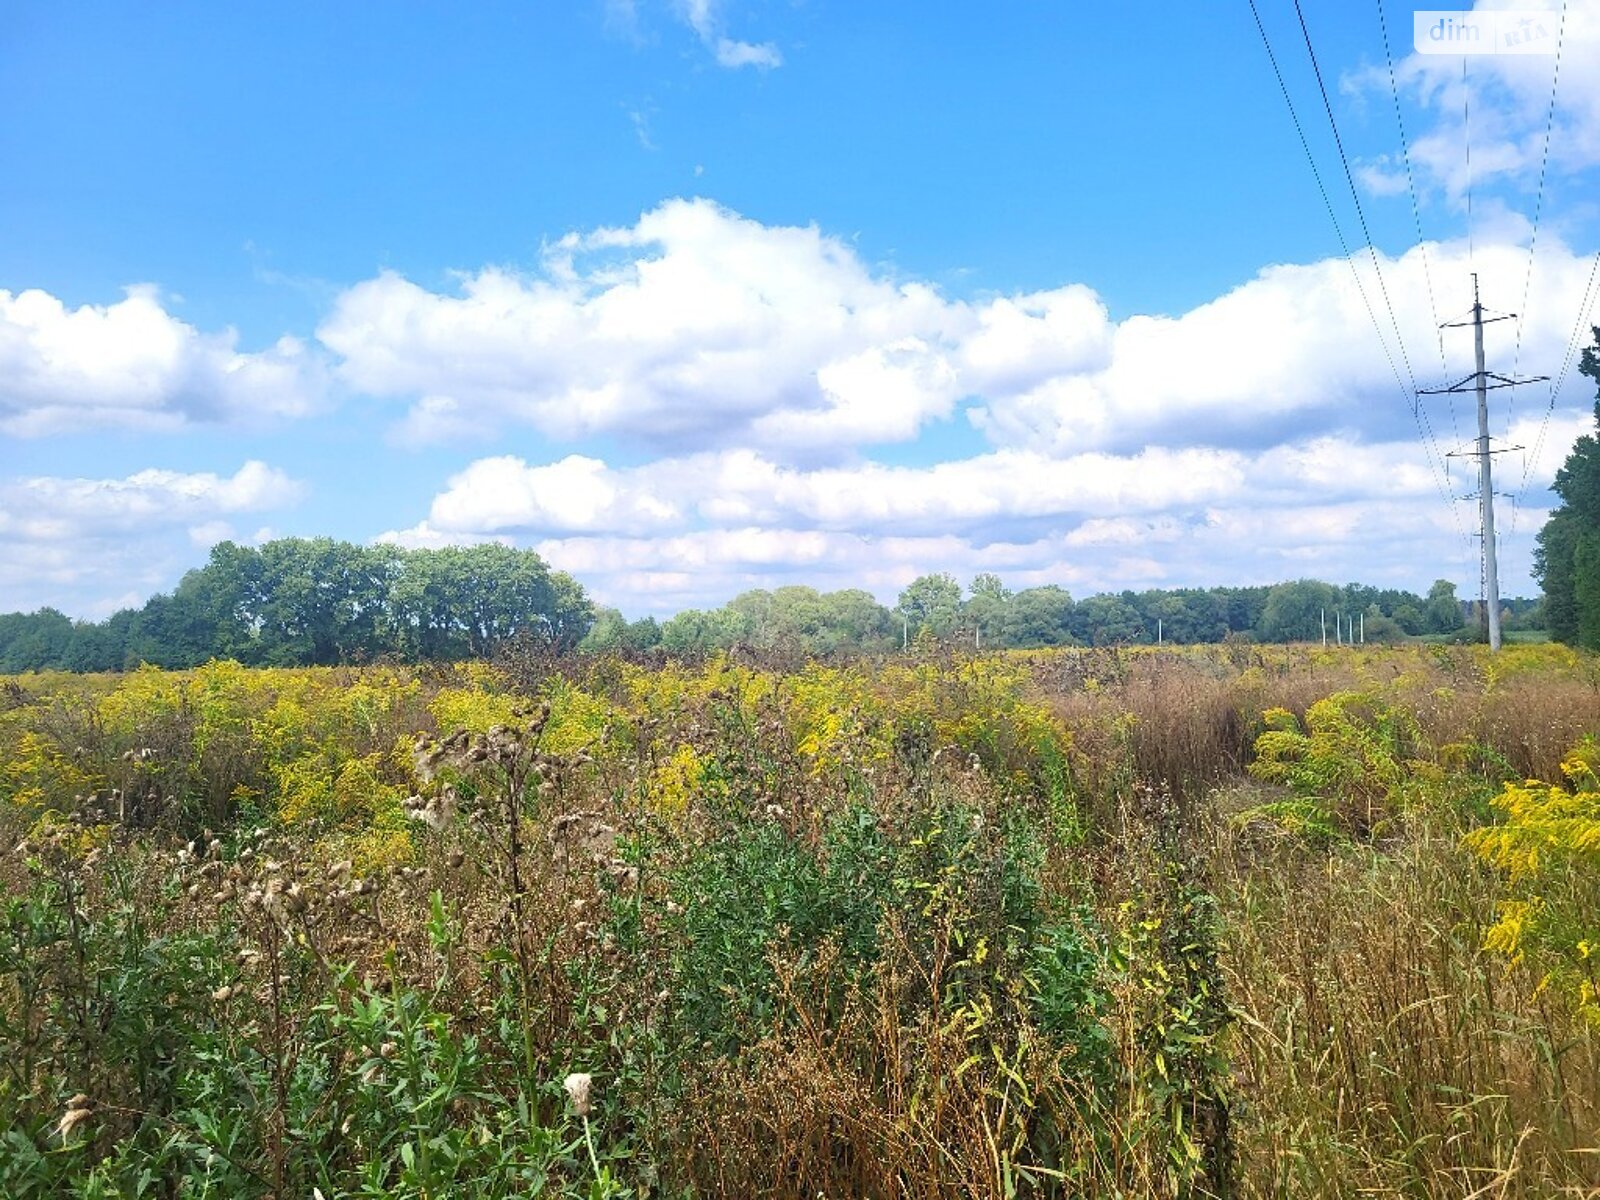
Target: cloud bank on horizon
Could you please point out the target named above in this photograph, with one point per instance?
(700, 402)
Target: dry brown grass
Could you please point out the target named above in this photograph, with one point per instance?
(1195, 713)
(1379, 1051)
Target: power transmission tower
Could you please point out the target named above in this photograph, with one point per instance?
(1479, 382)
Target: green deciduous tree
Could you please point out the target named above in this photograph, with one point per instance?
(853, 620)
(985, 610)
(1442, 610)
(1566, 558)
(299, 601)
(932, 603)
(1294, 611)
(1040, 616)
(1108, 621)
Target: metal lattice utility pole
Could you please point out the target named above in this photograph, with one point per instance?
(1484, 453)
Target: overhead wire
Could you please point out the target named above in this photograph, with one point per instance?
(1338, 230)
(1419, 416)
(1472, 259)
(1574, 342)
(1416, 216)
(1538, 208)
(1472, 262)
(1355, 195)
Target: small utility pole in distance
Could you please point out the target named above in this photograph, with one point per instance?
(1480, 384)
(1324, 629)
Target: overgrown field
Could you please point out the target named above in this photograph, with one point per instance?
(1230, 921)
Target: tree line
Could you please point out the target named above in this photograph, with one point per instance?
(935, 608)
(309, 602)
(306, 602)
(317, 601)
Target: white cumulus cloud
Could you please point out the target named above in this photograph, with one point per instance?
(72, 542)
(132, 364)
(684, 329)
(1500, 106)
(720, 522)
(697, 329)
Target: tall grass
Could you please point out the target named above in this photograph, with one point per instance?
(1016, 925)
(1379, 1050)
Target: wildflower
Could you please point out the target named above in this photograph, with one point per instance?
(577, 1085)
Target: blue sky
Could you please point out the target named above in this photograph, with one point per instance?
(694, 296)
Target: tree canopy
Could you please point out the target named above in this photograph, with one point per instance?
(308, 602)
(992, 615)
(318, 601)
(1566, 559)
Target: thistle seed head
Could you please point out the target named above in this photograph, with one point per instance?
(578, 1085)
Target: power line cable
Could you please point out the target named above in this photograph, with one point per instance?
(1416, 215)
(1425, 422)
(1355, 195)
(1429, 448)
(1574, 342)
(1419, 415)
(1538, 207)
